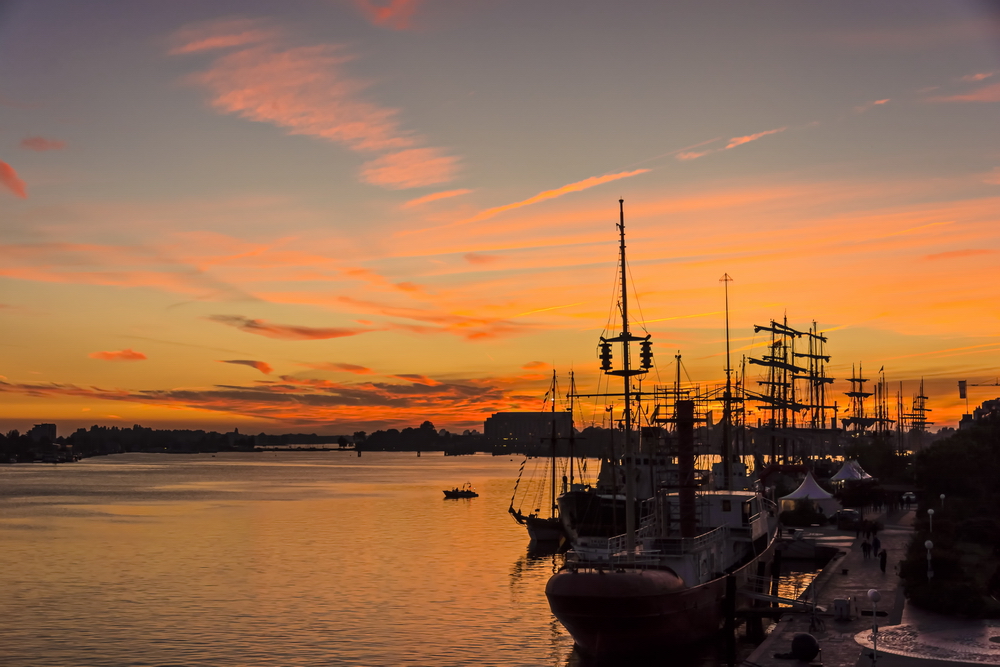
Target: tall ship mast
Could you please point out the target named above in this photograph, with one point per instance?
(663, 582)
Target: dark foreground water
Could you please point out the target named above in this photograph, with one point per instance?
(289, 558)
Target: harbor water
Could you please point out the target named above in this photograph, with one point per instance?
(273, 558)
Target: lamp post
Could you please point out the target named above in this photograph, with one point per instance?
(930, 517)
(942, 501)
(930, 570)
(874, 596)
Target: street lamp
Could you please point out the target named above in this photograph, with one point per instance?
(930, 517)
(942, 501)
(874, 596)
(930, 571)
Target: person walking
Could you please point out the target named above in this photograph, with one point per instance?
(876, 545)
(882, 557)
(866, 549)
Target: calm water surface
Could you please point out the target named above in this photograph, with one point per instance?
(288, 558)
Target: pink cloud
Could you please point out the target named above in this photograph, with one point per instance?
(972, 78)
(305, 90)
(869, 105)
(118, 355)
(10, 179)
(285, 331)
(259, 365)
(989, 93)
(739, 141)
(993, 177)
(435, 196)
(339, 368)
(411, 168)
(394, 14)
(42, 144)
(221, 34)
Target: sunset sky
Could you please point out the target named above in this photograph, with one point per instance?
(336, 215)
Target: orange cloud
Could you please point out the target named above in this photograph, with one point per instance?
(10, 179)
(434, 196)
(958, 254)
(989, 93)
(534, 365)
(691, 155)
(739, 141)
(259, 365)
(412, 168)
(42, 144)
(118, 355)
(418, 379)
(284, 331)
(339, 368)
(317, 402)
(993, 177)
(586, 183)
(394, 14)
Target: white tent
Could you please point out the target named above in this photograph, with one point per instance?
(811, 490)
(851, 470)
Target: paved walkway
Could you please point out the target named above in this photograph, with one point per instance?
(908, 637)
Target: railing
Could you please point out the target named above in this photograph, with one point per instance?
(672, 546)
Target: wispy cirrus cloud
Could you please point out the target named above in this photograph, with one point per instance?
(10, 180)
(684, 156)
(578, 186)
(688, 155)
(339, 367)
(263, 367)
(305, 90)
(393, 14)
(989, 93)
(222, 34)
(285, 331)
(979, 76)
(127, 354)
(410, 168)
(434, 196)
(41, 144)
(739, 141)
(871, 105)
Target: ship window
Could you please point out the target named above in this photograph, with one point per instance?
(727, 505)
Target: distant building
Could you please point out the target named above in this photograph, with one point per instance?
(988, 409)
(40, 432)
(527, 427)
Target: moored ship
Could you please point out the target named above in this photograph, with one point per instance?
(663, 582)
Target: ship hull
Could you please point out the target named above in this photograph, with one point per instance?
(640, 612)
(544, 530)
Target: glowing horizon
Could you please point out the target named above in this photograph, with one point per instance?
(343, 217)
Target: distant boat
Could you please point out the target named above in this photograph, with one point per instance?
(466, 491)
(546, 530)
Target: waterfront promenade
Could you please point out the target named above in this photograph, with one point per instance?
(908, 637)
